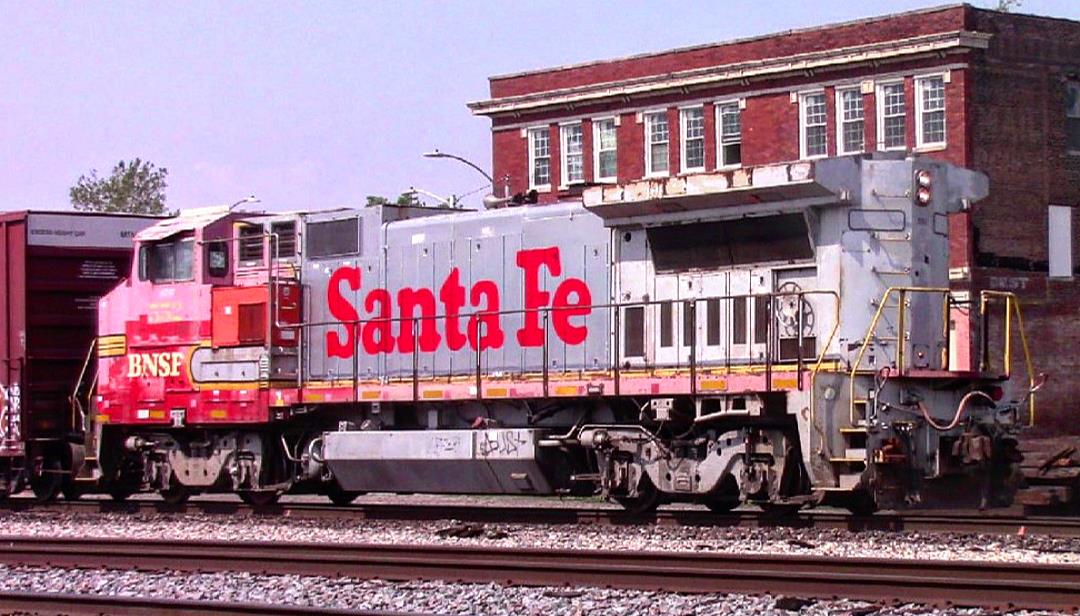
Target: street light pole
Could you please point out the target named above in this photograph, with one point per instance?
(490, 200)
(437, 154)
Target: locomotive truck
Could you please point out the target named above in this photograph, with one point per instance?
(781, 335)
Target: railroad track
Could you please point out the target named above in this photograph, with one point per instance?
(956, 522)
(942, 583)
(95, 605)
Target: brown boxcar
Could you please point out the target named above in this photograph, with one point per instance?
(53, 268)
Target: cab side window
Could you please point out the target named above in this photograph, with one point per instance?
(167, 261)
(217, 259)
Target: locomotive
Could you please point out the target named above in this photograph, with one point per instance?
(781, 335)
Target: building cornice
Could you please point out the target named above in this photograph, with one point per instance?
(940, 43)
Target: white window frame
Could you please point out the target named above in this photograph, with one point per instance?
(530, 134)
(1059, 241)
(920, 139)
(803, 126)
(840, 121)
(683, 168)
(564, 160)
(879, 114)
(596, 122)
(646, 116)
(1072, 151)
(718, 109)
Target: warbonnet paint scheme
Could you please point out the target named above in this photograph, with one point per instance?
(782, 335)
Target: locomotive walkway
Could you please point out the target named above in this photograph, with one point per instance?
(952, 522)
(941, 583)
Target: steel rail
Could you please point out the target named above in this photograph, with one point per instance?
(95, 605)
(1004, 586)
(929, 522)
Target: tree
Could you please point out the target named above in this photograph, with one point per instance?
(136, 187)
(405, 198)
(1007, 5)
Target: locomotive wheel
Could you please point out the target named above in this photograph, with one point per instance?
(341, 497)
(46, 486)
(175, 494)
(647, 500)
(726, 497)
(779, 510)
(120, 493)
(259, 498)
(861, 503)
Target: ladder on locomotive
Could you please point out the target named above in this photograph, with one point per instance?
(863, 382)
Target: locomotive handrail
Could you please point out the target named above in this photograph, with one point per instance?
(616, 310)
(900, 335)
(1012, 305)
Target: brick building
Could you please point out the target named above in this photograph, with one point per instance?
(992, 91)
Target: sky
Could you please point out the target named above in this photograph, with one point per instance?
(309, 105)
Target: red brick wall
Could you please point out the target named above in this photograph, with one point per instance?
(773, 46)
(770, 129)
(1016, 134)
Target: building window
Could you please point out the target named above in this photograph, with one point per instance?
(849, 116)
(813, 140)
(656, 143)
(573, 154)
(892, 126)
(605, 150)
(729, 135)
(693, 139)
(930, 111)
(1060, 241)
(539, 158)
(1072, 116)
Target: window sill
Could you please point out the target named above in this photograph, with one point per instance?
(933, 147)
(657, 176)
(606, 181)
(902, 148)
(543, 188)
(814, 157)
(729, 167)
(686, 172)
(1073, 152)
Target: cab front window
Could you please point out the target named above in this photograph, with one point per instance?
(167, 261)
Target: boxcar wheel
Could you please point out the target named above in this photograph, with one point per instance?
(46, 486)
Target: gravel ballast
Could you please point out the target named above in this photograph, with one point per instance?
(436, 597)
(777, 540)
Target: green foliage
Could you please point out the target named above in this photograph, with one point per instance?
(405, 198)
(1007, 5)
(135, 187)
(408, 198)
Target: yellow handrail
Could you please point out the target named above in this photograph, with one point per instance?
(1012, 304)
(902, 291)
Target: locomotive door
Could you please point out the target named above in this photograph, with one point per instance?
(792, 313)
(667, 320)
(711, 310)
(759, 286)
(740, 312)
